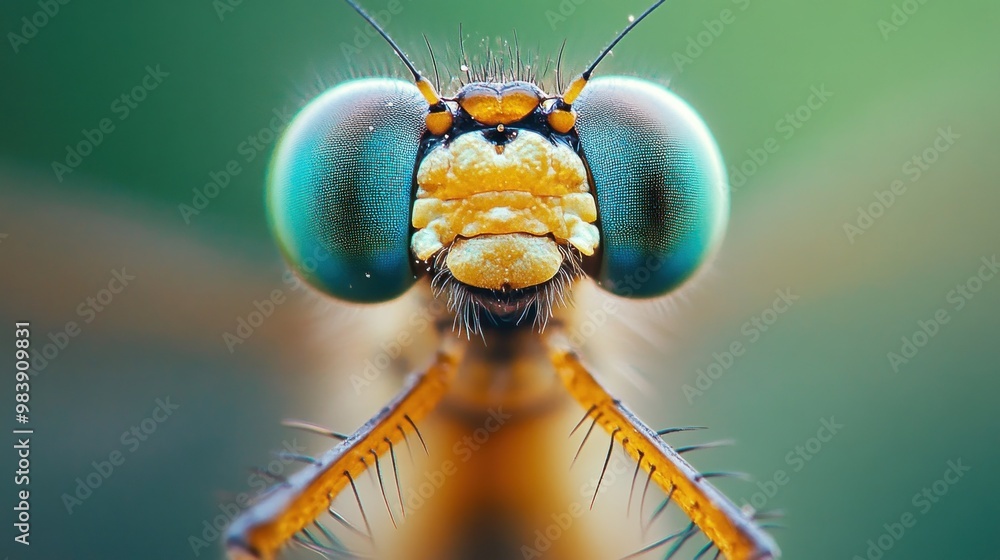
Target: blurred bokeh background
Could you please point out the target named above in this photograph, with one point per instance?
(861, 141)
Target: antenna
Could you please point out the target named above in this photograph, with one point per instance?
(423, 84)
(571, 93)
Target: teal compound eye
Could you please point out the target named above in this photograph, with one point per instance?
(340, 187)
(662, 195)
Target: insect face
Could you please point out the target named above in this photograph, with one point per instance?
(503, 194)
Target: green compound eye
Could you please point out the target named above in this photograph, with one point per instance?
(662, 196)
(340, 186)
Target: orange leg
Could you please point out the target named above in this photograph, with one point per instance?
(292, 506)
(732, 531)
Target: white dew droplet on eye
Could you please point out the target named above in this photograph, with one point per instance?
(389, 104)
(371, 128)
(368, 275)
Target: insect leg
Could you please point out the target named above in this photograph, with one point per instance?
(732, 531)
(289, 508)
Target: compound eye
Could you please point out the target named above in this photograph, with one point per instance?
(340, 186)
(662, 196)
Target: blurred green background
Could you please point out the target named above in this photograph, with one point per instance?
(898, 76)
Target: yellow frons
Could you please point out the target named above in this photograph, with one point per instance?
(529, 163)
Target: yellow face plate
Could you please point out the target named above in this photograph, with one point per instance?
(533, 186)
(493, 200)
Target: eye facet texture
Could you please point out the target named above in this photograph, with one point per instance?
(662, 196)
(340, 189)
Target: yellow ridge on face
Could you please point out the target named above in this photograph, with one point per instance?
(568, 218)
(474, 188)
(261, 531)
(732, 531)
(470, 164)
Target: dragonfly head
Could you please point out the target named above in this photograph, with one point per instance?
(502, 193)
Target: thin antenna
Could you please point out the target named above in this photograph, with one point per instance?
(425, 87)
(399, 52)
(590, 69)
(576, 86)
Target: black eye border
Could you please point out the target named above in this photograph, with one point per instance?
(463, 123)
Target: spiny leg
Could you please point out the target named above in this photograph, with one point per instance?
(631, 488)
(607, 459)
(732, 531)
(289, 508)
(395, 471)
(381, 484)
